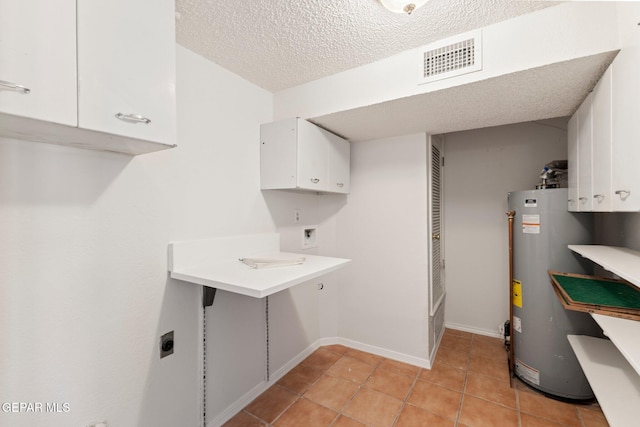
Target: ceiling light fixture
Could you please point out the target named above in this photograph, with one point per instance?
(403, 6)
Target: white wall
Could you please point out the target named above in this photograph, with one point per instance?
(383, 295)
(84, 294)
(481, 166)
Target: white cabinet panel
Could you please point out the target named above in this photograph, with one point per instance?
(625, 149)
(339, 165)
(126, 68)
(572, 162)
(601, 159)
(38, 52)
(585, 143)
(313, 157)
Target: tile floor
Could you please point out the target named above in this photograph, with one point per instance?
(468, 386)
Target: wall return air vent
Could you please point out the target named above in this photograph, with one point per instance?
(451, 57)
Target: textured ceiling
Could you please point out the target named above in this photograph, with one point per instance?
(278, 44)
(551, 91)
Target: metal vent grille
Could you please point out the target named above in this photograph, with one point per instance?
(451, 57)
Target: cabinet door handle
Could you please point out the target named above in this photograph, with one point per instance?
(315, 180)
(599, 197)
(14, 87)
(340, 184)
(623, 194)
(133, 118)
(582, 199)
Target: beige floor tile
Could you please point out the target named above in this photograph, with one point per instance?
(453, 357)
(492, 389)
(481, 413)
(368, 358)
(412, 416)
(344, 421)
(436, 399)
(332, 392)
(458, 333)
(390, 382)
(592, 416)
(490, 367)
(321, 359)
(351, 369)
(242, 419)
(444, 375)
(300, 378)
(403, 368)
(456, 342)
(527, 420)
(270, 404)
(306, 413)
(549, 409)
(373, 408)
(336, 348)
(490, 348)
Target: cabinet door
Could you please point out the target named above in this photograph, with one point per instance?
(625, 171)
(601, 162)
(126, 68)
(585, 142)
(572, 162)
(339, 165)
(313, 151)
(38, 56)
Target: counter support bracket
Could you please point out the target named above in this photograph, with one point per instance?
(208, 295)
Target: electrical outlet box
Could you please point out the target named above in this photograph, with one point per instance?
(310, 237)
(166, 344)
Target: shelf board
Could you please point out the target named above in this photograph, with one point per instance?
(623, 262)
(624, 334)
(215, 263)
(614, 382)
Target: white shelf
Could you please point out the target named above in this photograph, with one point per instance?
(624, 335)
(623, 262)
(614, 382)
(215, 263)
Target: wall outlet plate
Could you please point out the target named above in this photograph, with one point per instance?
(166, 344)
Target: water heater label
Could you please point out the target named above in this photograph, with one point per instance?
(531, 224)
(530, 203)
(527, 372)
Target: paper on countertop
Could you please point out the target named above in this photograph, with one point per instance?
(271, 262)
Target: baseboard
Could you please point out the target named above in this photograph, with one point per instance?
(379, 351)
(473, 330)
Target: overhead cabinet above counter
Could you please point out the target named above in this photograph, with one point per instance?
(97, 75)
(296, 154)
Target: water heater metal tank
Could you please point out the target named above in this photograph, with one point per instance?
(543, 228)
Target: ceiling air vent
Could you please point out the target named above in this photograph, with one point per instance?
(454, 56)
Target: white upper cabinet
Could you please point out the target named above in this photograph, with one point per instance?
(601, 158)
(89, 74)
(606, 132)
(296, 154)
(126, 68)
(38, 59)
(585, 142)
(625, 144)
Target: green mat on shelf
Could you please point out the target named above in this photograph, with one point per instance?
(599, 292)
